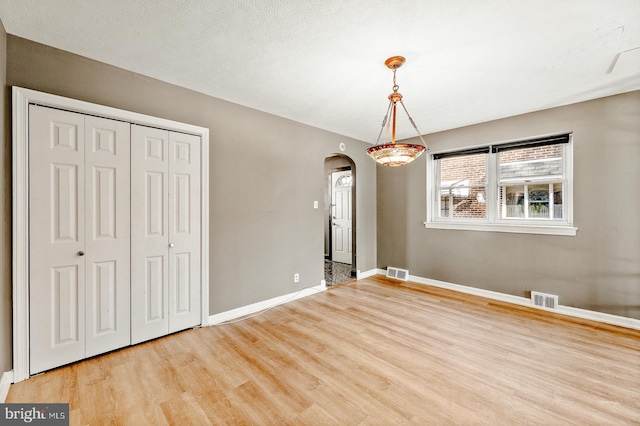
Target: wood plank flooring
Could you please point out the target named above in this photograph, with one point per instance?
(370, 352)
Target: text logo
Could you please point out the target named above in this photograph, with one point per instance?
(34, 414)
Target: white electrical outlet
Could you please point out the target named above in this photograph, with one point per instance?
(315, 204)
(296, 278)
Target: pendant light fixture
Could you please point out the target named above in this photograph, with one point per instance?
(394, 154)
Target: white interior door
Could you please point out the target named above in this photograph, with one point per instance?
(56, 232)
(149, 233)
(341, 220)
(71, 238)
(79, 236)
(184, 231)
(166, 232)
(107, 234)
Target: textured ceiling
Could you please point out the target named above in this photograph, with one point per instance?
(321, 62)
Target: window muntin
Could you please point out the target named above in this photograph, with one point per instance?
(525, 187)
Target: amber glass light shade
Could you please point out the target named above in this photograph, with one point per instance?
(395, 154)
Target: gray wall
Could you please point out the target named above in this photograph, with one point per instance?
(5, 214)
(599, 269)
(265, 173)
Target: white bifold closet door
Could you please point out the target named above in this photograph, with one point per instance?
(165, 228)
(79, 236)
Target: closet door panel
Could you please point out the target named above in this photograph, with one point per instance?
(184, 231)
(149, 233)
(107, 233)
(56, 238)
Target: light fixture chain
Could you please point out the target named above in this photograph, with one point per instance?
(395, 86)
(384, 122)
(414, 124)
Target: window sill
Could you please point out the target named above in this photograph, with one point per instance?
(500, 227)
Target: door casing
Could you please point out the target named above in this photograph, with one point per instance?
(334, 163)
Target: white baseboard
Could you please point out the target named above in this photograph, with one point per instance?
(503, 297)
(5, 383)
(265, 304)
(599, 316)
(523, 301)
(369, 273)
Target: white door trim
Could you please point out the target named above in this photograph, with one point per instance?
(21, 99)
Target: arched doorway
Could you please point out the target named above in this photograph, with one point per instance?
(340, 219)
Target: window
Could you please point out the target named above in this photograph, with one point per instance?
(344, 181)
(530, 182)
(522, 186)
(462, 184)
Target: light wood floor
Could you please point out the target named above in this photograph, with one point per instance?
(373, 352)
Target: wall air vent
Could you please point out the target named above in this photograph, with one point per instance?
(543, 300)
(397, 273)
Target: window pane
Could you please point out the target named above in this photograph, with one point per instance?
(471, 206)
(515, 198)
(344, 181)
(466, 170)
(538, 201)
(523, 163)
(557, 201)
(446, 205)
(512, 201)
(462, 191)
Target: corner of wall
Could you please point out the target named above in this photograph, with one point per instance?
(5, 212)
(5, 384)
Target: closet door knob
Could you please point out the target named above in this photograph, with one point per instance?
(171, 245)
(80, 253)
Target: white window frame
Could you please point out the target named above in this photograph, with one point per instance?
(493, 222)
